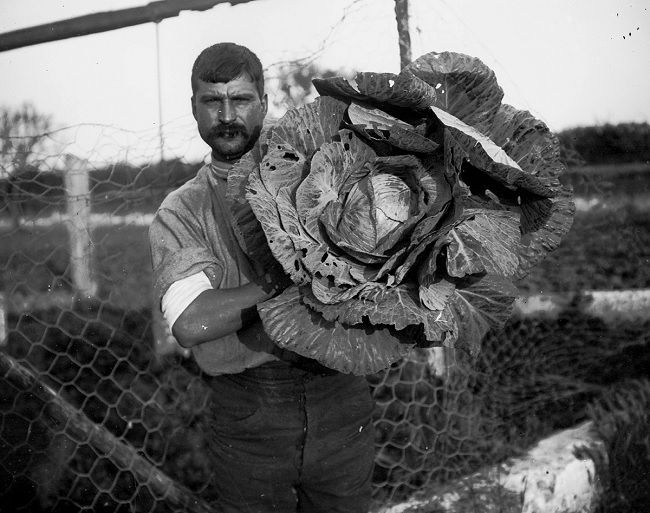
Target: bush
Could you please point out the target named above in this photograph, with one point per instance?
(622, 419)
(608, 144)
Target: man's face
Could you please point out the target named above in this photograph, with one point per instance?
(229, 116)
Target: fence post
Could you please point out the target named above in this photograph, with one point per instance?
(78, 210)
(59, 415)
(403, 34)
(3, 320)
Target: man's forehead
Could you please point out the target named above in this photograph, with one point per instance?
(241, 84)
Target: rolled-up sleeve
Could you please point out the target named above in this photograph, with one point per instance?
(178, 250)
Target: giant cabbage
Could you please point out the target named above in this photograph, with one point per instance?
(403, 207)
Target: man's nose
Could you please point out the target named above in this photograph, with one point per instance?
(227, 112)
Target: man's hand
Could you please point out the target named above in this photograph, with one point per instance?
(272, 280)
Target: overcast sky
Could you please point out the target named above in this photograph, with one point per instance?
(570, 62)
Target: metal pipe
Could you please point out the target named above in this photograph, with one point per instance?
(104, 21)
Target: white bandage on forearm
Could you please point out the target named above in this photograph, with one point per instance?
(180, 295)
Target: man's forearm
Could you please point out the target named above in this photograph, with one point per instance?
(216, 313)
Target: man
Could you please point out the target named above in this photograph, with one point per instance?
(285, 433)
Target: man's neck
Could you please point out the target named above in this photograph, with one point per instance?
(221, 168)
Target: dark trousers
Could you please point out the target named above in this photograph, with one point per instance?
(289, 439)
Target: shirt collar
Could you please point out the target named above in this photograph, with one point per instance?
(220, 169)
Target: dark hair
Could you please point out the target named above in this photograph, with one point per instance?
(224, 62)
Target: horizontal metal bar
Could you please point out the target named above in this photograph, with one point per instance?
(104, 21)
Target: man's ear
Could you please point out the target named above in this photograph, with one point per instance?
(265, 104)
(193, 107)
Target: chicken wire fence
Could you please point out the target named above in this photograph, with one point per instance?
(100, 411)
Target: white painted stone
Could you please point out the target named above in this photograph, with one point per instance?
(549, 479)
(552, 479)
(609, 305)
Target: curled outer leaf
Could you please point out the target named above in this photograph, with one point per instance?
(361, 349)
(405, 93)
(396, 306)
(306, 128)
(487, 242)
(479, 304)
(464, 86)
(378, 126)
(246, 225)
(544, 221)
(466, 145)
(463, 312)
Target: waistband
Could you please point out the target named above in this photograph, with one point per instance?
(295, 367)
(279, 373)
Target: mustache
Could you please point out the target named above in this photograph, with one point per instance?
(230, 129)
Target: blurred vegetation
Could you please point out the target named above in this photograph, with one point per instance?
(291, 85)
(23, 132)
(606, 249)
(607, 144)
(116, 189)
(621, 418)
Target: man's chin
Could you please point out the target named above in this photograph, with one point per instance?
(229, 150)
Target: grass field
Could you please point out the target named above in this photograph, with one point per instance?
(612, 184)
(36, 263)
(605, 250)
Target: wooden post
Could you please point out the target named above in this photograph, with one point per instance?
(78, 210)
(61, 416)
(438, 360)
(3, 320)
(404, 36)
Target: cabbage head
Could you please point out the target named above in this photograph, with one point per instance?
(403, 208)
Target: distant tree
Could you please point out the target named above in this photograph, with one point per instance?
(290, 85)
(609, 143)
(568, 153)
(23, 131)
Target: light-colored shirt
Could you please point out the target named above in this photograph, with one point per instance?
(182, 294)
(192, 233)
